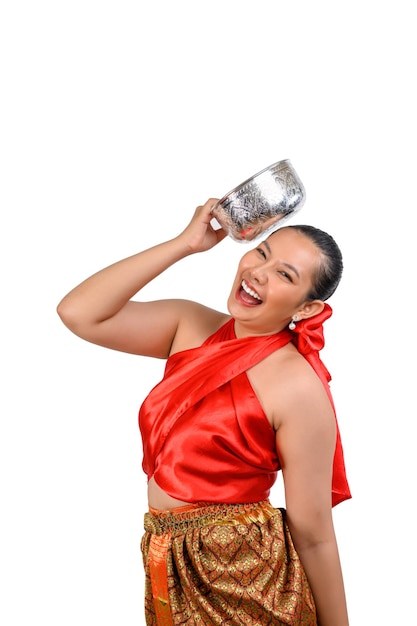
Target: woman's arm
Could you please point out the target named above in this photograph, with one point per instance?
(100, 309)
(306, 442)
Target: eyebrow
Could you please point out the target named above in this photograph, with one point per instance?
(287, 265)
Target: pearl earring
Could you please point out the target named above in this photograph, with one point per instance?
(291, 325)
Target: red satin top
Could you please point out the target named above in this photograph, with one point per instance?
(205, 435)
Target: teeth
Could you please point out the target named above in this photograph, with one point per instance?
(250, 291)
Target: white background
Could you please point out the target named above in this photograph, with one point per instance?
(117, 120)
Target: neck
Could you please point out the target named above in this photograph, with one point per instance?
(248, 330)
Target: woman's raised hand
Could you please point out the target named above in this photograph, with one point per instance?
(200, 235)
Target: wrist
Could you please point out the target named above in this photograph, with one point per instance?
(184, 246)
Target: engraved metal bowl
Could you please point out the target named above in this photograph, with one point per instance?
(259, 205)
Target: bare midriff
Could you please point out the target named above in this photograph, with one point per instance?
(158, 499)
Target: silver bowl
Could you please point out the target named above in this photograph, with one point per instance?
(259, 205)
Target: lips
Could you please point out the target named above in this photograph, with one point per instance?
(248, 295)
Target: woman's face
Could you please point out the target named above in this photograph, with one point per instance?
(272, 282)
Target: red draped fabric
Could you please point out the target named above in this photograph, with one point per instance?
(205, 435)
(308, 337)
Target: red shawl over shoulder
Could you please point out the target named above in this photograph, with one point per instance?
(205, 435)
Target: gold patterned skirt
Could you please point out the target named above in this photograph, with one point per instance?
(226, 564)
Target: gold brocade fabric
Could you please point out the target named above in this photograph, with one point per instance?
(227, 564)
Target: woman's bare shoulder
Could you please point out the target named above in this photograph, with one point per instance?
(196, 322)
(287, 385)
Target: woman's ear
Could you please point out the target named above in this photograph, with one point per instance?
(310, 308)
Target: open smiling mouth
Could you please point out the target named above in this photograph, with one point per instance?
(248, 295)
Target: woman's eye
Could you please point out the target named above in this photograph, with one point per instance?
(287, 276)
(261, 252)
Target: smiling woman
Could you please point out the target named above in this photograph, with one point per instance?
(244, 396)
(296, 265)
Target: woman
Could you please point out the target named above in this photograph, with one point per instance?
(244, 395)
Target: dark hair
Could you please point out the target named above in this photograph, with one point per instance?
(330, 269)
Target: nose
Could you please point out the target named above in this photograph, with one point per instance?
(259, 274)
